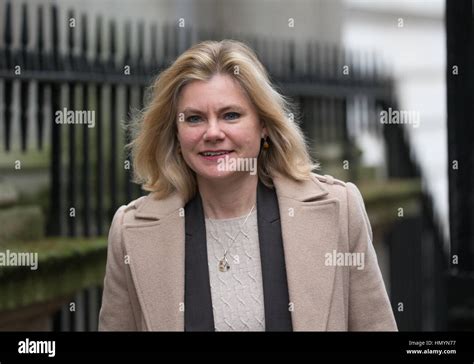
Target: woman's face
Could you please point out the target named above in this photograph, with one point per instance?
(217, 116)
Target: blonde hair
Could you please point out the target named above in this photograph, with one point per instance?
(160, 168)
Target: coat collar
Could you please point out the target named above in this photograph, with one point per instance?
(150, 208)
(155, 242)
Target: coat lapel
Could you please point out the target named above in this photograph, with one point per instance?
(272, 257)
(198, 315)
(155, 243)
(310, 230)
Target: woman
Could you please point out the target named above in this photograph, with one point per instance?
(237, 233)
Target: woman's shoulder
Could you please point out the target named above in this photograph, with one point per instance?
(148, 208)
(124, 212)
(328, 179)
(330, 183)
(338, 188)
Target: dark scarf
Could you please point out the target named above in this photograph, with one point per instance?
(198, 301)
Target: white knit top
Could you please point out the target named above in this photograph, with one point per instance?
(237, 294)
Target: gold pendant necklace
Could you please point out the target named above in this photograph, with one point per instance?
(224, 265)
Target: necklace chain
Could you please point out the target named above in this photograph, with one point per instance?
(224, 265)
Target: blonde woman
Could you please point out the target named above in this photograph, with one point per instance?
(237, 232)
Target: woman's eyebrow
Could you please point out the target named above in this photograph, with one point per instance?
(222, 109)
(231, 107)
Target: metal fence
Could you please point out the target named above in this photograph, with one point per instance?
(90, 172)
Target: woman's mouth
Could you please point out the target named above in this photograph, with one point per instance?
(214, 155)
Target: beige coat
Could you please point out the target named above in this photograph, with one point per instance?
(144, 281)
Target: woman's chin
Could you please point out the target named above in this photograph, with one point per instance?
(216, 174)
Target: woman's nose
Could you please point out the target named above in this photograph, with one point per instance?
(213, 131)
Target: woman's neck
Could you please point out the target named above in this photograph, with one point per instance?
(226, 199)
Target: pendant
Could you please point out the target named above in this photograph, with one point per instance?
(224, 265)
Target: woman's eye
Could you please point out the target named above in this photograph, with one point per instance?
(193, 118)
(231, 115)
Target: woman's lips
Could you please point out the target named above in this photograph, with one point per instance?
(215, 157)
